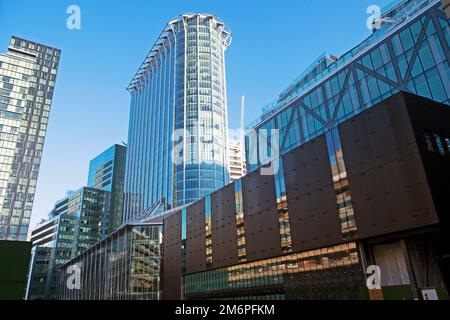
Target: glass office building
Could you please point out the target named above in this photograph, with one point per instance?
(177, 143)
(76, 223)
(27, 80)
(410, 52)
(123, 266)
(107, 173)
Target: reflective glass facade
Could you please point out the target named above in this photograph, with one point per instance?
(124, 266)
(77, 222)
(240, 221)
(282, 210)
(27, 80)
(208, 231)
(329, 273)
(178, 117)
(341, 186)
(410, 54)
(107, 172)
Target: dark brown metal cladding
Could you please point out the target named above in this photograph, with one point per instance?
(261, 218)
(224, 239)
(311, 197)
(397, 186)
(386, 177)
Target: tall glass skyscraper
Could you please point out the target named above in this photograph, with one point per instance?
(178, 118)
(27, 80)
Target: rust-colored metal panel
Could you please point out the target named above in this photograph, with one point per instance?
(224, 240)
(262, 229)
(387, 180)
(195, 237)
(171, 277)
(311, 198)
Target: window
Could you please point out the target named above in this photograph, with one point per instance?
(429, 142)
(439, 144)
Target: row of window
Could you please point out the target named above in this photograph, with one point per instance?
(437, 143)
(274, 272)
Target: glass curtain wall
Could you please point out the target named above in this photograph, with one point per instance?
(178, 117)
(124, 266)
(411, 55)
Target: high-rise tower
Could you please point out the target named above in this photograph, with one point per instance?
(27, 80)
(177, 143)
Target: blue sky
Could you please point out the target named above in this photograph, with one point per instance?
(273, 41)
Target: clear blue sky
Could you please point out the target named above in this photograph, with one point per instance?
(273, 41)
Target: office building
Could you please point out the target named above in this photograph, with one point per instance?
(177, 138)
(362, 180)
(42, 254)
(27, 81)
(237, 162)
(107, 173)
(123, 266)
(410, 52)
(372, 191)
(76, 223)
(13, 269)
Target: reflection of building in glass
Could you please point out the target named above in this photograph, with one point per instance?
(107, 172)
(76, 223)
(27, 81)
(282, 209)
(283, 275)
(300, 234)
(177, 142)
(340, 182)
(240, 221)
(123, 266)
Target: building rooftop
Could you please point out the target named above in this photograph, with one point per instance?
(164, 37)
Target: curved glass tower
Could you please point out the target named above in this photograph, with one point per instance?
(178, 117)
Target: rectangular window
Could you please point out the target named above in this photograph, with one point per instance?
(208, 231)
(282, 209)
(439, 144)
(240, 220)
(429, 142)
(341, 186)
(447, 142)
(183, 239)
